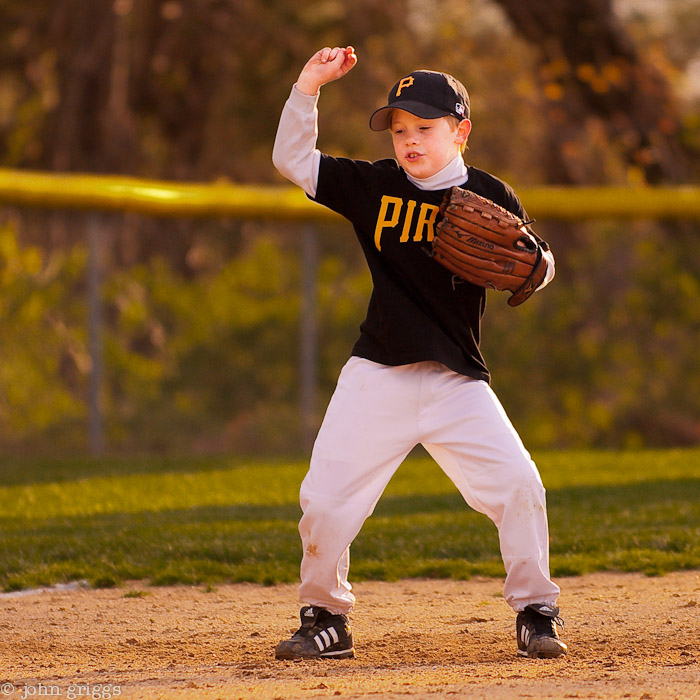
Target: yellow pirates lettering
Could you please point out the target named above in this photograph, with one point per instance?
(404, 83)
(426, 222)
(390, 215)
(408, 220)
(382, 222)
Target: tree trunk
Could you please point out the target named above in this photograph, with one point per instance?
(590, 70)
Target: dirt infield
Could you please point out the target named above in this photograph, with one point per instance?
(629, 636)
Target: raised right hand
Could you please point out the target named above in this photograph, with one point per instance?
(325, 66)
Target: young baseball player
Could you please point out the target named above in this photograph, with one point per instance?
(416, 374)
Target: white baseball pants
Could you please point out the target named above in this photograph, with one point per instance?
(376, 416)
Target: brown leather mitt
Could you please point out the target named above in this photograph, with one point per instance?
(488, 246)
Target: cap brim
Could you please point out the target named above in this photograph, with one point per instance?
(381, 118)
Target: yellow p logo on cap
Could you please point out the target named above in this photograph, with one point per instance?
(405, 83)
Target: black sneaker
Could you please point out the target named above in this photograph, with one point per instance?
(322, 635)
(537, 634)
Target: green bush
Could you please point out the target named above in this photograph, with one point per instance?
(43, 360)
(209, 362)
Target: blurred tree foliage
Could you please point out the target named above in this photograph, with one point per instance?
(592, 74)
(202, 317)
(193, 90)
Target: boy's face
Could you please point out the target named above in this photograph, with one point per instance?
(423, 147)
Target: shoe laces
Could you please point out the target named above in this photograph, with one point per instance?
(544, 624)
(315, 621)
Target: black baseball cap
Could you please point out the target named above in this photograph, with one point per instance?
(427, 94)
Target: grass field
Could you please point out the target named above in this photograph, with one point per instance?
(207, 521)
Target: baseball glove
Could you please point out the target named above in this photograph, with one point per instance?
(488, 246)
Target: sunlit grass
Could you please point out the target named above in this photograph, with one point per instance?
(209, 521)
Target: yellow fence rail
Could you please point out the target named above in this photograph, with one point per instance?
(222, 199)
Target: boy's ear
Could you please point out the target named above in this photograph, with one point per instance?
(463, 130)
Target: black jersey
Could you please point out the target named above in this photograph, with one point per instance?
(418, 310)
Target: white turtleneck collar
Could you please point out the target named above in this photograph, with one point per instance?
(454, 173)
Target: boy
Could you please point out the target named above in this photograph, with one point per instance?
(416, 374)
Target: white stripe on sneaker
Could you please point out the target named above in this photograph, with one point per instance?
(326, 638)
(334, 634)
(350, 651)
